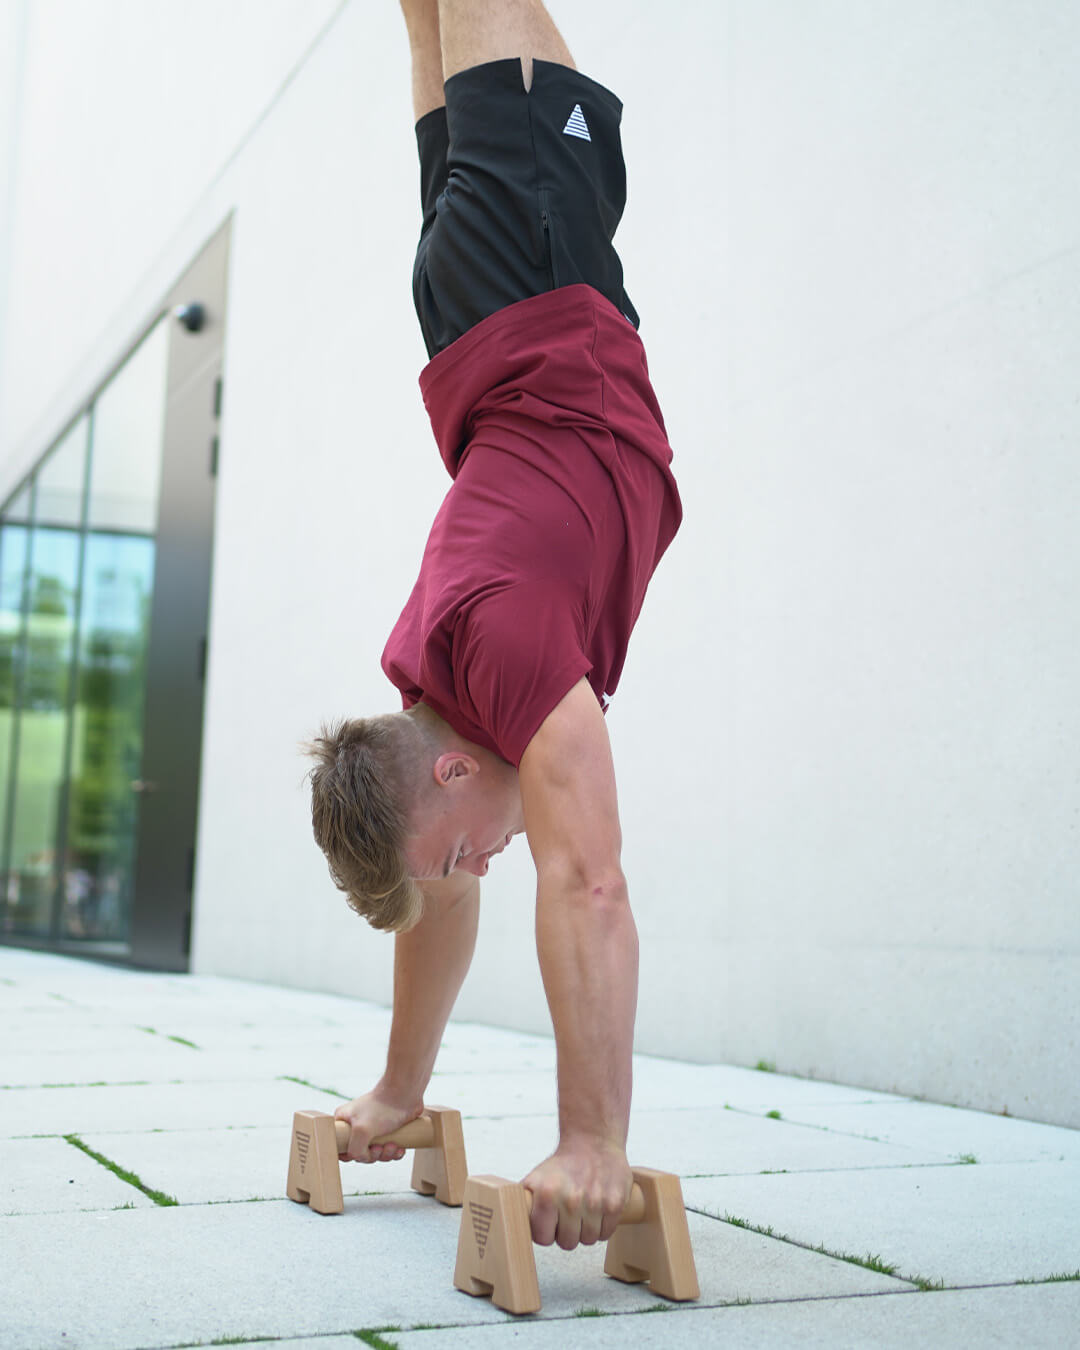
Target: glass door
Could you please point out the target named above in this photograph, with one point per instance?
(105, 558)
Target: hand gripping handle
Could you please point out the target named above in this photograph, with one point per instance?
(634, 1211)
(418, 1133)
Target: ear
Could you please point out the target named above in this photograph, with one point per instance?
(454, 764)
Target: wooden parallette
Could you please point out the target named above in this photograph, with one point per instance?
(439, 1166)
(495, 1252)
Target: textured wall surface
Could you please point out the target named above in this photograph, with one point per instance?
(847, 736)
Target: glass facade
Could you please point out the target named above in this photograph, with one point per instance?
(76, 580)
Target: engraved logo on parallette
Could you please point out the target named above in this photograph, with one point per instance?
(481, 1222)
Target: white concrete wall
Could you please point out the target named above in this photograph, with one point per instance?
(848, 733)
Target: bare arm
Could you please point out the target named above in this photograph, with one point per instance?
(430, 965)
(588, 950)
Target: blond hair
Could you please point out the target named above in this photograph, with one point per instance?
(365, 778)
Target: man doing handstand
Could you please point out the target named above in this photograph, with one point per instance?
(514, 636)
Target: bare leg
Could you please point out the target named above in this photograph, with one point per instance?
(476, 31)
(422, 21)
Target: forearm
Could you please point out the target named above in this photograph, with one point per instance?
(588, 951)
(430, 965)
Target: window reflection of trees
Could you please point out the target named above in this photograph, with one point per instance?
(109, 673)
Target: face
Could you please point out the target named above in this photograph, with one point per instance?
(472, 815)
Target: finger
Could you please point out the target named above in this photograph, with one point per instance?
(607, 1226)
(569, 1231)
(591, 1227)
(359, 1148)
(544, 1219)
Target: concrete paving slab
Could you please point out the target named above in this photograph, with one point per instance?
(672, 1084)
(947, 1130)
(66, 1037)
(63, 1053)
(51, 1025)
(1037, 1317)
(15, 999)
(512, 1093)
(277, 1270)
(658, 1085)
(708, 1142)
(721, 1142)
(982, 1224)
(159, 1062)
(193, 1274)
(50, 1176)
(173, 1106)
(229, 1032)
(212, 1166)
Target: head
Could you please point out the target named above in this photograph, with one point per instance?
(401, 799)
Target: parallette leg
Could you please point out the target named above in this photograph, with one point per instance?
(314, 1172)
(495, 1255)
(441, 1170)
(656, 1248)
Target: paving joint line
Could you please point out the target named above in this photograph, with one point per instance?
(158, 1197)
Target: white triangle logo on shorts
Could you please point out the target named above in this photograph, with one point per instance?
(576, 125)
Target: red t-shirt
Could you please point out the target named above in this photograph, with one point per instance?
(563, 502)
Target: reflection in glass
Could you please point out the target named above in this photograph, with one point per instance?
(39, 777)
(107, 748)
(14, 543)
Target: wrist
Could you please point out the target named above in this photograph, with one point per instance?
(579, 1138)
(400, 1094)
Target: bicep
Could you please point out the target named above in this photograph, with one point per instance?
(567, 779)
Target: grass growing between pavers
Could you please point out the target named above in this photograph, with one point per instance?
(868, 1262)
(158, 1197)
(376, 1336)
(1066, 1277)
(291, 1078)
(36, 1087)
(180, 1040)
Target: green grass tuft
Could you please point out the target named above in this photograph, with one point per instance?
(590, 1312)
(765, 1066)
(967, 1158)
(773, 1115)
(373, 1338)
(1065, 1277)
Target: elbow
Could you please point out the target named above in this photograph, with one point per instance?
(597, 887)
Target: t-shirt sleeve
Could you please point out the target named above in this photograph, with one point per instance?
(518, 652)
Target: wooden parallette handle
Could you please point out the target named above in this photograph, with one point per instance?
(418, 1133)
(633, 1213)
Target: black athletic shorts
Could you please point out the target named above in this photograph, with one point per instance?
(522, 192)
